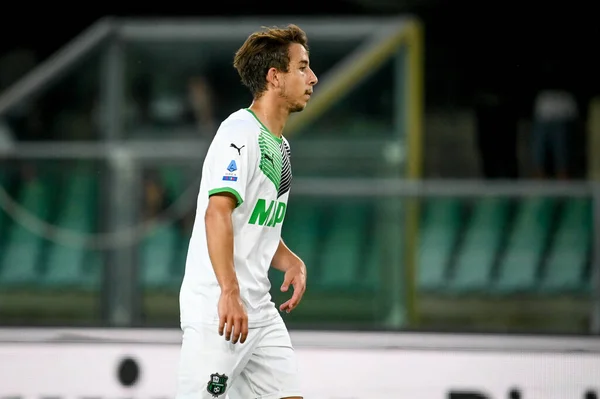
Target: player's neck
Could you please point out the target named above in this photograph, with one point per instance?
(271, 114)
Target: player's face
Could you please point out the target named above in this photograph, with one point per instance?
(298, 82)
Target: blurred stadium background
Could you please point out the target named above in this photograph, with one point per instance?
(418, 205)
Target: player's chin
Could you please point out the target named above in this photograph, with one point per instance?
(298, 106)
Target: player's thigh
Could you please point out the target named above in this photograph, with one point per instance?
(272, 370)
(208, 365)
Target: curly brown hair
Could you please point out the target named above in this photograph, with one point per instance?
(263, 50)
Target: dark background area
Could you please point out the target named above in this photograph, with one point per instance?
(469, 44)
(485, 63)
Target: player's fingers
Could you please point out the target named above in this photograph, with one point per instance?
(221, 325)
(295, 298)
(237, 327)
(287, 280)
(228, 328)
(300, 286)
(244, 330)
(235, 331)
(284, 305)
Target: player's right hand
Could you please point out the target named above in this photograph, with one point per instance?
(233, 319)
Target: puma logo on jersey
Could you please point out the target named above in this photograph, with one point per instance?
(239, 149)
(268, 158)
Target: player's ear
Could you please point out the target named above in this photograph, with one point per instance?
(273, 77)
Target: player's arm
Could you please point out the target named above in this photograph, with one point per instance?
(284, 258)
(230, 162)
(233, 320)
(219, 237)
(295, 274)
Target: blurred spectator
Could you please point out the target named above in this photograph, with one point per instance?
(555, 120)
(496, 130)
(157, 199)
(201, 100)
(155, 195)
(156, 103)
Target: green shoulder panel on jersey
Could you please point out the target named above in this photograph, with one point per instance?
(268, 215)
(270, 157)
(270, 163)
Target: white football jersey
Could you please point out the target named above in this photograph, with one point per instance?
(246, 160)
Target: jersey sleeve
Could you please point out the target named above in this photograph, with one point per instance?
(231, 161)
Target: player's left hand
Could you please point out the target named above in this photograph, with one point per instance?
(296, 276)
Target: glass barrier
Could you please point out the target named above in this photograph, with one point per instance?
(370, 109)
(185, 89)
(49, 271)
(68, 109)
(344, 159)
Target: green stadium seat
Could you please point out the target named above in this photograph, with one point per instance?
(376, 252)
(344, 246)
(23, 248)
(566, 262)
(173, 180)
(517, 269)
(385, 245)
(372, 274)
(300, 232)
(476, 255)
(439, 232)
(158, 252)
(93, 271)
(65, 264)
(178, 268)
(4, 219)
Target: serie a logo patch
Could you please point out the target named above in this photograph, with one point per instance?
(232, 167)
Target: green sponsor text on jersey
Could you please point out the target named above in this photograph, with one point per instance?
(268, 215)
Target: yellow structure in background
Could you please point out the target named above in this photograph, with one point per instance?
(414, 40)
(593, 136)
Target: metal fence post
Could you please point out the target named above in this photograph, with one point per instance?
(120, 294)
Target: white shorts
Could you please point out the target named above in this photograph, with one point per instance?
(263, 367)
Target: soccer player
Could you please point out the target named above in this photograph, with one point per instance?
(235, 343)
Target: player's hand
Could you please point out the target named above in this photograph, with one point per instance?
(233, 319)
(296, 276)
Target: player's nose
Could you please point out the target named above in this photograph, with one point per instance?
(313, 78)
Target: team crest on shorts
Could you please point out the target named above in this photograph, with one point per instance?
(217, 384)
